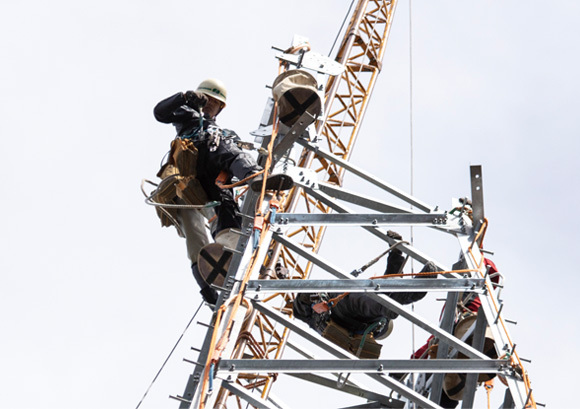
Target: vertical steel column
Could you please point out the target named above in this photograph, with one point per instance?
(443, 349)
(478, 344)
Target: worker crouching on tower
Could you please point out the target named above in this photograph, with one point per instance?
(200, 152)
(354, 320)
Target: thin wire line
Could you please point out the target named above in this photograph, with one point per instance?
(412, 165)
(169, 356)
(341, 27)
(411, 157)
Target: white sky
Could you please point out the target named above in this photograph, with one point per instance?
(94, 293)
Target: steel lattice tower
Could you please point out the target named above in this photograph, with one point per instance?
(243, 351)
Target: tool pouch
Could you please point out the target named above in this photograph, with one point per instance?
(179, 184)
(351, 342)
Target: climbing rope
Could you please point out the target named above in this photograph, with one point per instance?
(217, 346)
(488, 385)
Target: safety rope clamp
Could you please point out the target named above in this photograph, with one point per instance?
(258, 226)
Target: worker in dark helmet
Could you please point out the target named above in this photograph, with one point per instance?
(357, 312)
(200, 153)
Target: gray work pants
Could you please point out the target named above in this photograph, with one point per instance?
(194, 224)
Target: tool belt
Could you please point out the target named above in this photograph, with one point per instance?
(352, 342)
(179, 184)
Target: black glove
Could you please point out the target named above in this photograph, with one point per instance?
(195, 99)
(394, 235)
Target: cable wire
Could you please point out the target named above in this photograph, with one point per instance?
(411, 156)
(169, 356)
(341, 27)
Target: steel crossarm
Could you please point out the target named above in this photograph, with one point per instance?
(249, 397)
(366, 176)
(386, 301)
(256, 287)
(337, 272)
(350, 386)
(358, 387)
(405, 248)
(368, 394)
(357, 219)
(442, 366)
(355, 198)
(454, 223)
(340, 353)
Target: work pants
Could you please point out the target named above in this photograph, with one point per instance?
(194, 224)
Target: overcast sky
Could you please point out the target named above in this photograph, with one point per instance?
(94, 294)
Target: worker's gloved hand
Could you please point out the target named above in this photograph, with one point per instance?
(195, 100)
(394, 235)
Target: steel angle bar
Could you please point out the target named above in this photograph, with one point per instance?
(408, 249)
(366, 285)
(366, 176)
(302, 350)
(358, 219)
(309, 255)
(490, 304)
(413, 252)
(299, 330)
(453, 224)
(368, 405)
(446, 324)
(427, 326)
(477, 195)
(292, 135)
(330, 268)
(508, 402)
(249, 397)
(386, 301)
(341, 353)
(350, 389)
(471, 380)
(275, 400)
(360, 200)
(491, 308)
(238, 263)
(362, 365)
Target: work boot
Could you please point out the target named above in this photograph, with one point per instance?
(273, 182)
(209, 295)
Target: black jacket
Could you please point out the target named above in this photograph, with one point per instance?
(209, 164)
(357, 310)
(174, 110)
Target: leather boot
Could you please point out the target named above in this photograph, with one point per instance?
(209, 295)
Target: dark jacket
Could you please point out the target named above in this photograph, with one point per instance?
(174, 110)
(227, 157)
(357, 311)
